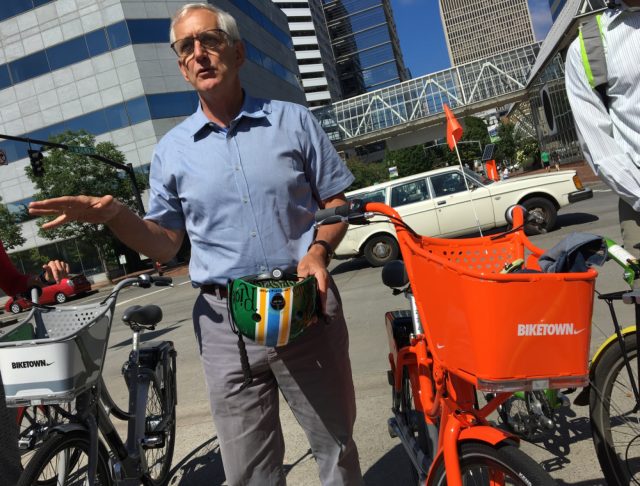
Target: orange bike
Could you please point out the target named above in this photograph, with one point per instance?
(472, 328)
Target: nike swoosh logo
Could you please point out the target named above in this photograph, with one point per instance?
(578, 332)
(440, 346)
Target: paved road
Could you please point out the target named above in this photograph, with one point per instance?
(567, 454)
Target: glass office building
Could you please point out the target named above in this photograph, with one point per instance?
(311, 42)
(555, 6)
(365, 44)
(105, 66)
(477, 29)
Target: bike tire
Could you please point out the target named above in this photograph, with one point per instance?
(159, 459)
(42, 468)
(413, 418)
(33, 422)
(615, 419)
(478, 462)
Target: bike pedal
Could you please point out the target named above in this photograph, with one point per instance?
(25, 443)
(391, 426)
(153, 441)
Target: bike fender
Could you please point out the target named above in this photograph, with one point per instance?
(65, 428)
(486, 434)
(612, 339)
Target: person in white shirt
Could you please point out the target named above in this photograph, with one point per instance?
(608, 121)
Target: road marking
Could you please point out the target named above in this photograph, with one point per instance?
(141, 296)
(602, 190)
(183, 283)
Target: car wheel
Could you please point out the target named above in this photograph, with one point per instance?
(542, 214)
(381, 249)
(15, 308)
(61, 298)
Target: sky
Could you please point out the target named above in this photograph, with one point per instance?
(422, 38)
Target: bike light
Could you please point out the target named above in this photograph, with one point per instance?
(577, 182)
(532, 384)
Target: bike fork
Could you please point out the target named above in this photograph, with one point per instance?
(421, 459)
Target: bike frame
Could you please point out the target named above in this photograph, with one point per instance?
(146, 363)
(619, 333)
(448, 403)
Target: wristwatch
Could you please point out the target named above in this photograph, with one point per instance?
(327, 248)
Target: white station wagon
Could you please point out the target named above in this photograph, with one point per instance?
(437, 203)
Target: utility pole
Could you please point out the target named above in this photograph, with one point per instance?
(89, 152)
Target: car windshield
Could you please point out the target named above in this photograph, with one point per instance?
(479, 178)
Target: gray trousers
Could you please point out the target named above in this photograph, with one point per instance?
(314, 375)
(630, 227)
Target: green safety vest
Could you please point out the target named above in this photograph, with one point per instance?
(592, 50)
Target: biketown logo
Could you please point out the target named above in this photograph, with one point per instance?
(552, 329)
(39, 363)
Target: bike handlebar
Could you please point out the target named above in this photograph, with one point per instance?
(145, 281)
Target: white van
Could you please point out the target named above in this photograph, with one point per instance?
(438, 203)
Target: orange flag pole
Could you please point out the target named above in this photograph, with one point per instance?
(454, 134)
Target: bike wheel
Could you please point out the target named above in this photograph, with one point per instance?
(482, 464)
(615, 414)
(528, 416)
(412, 418)
(33, 424)
(63, 460)
(159, 450)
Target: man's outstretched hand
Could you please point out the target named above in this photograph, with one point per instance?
(86, 209)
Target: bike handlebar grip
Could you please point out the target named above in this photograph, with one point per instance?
(162, 281)
(323, 214)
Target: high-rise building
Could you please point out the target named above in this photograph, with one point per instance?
(313, 50)
(476, 29)
(105, 66)
(365, 44)
(555, 6)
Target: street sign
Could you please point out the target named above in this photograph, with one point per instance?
(3, 157)
(81, 150)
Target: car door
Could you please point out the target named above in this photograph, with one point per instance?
(414, 203)
(457, 207)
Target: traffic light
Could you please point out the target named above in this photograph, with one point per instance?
(37, 164)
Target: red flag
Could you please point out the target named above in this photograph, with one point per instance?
(454, 130)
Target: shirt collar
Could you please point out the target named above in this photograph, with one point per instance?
(251, 108)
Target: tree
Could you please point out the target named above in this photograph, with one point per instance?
(366, 174)
(409, 161)
(10, 230)
(508, 144)
(475, 129)
(67, 173)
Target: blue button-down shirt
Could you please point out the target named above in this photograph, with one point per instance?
(245, 195)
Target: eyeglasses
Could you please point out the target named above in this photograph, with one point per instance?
(209, 40)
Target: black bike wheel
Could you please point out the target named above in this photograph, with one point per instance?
(482, 464)
(615, 414)
(63, 459)
(33, 424)
(160, 455)
(412, 418)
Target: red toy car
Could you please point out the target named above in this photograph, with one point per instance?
(57, 293)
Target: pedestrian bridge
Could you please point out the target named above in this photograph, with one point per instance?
(417, 104)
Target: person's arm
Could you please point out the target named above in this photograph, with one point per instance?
(11, 280)
(595, 131)
(143, 236)
(316, 260)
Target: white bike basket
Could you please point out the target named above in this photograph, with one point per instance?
(55, 354)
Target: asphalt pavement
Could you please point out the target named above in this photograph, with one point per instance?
(567, 452)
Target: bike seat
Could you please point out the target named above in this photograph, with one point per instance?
(146, 316)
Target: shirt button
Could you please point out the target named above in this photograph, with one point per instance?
(245, 199)
(237, 167)
(253, 233)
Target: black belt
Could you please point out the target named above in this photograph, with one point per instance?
(214, 289)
